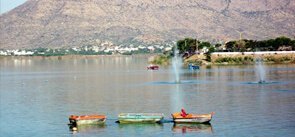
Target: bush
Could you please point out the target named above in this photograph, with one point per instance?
(161, 60)
(235, 60)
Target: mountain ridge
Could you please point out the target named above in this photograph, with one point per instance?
(70, 23)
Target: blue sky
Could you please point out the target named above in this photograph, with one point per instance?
(7, 5)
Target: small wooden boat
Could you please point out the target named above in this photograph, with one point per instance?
(87, 119)
(140, 117)
(153, 67)
(192, 118)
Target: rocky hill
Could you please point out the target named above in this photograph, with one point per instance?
(67, 23)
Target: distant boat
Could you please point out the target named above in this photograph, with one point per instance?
(193, 67)
(87, 119)
(192, 118)
(153, 67)
(140, 117)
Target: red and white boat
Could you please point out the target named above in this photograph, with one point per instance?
(87, 119)
(153, 67)
(183, 117)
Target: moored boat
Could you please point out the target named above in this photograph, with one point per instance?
(182, 117)
(193, 67)
(140, 117)
(87, 119)
(153, 67)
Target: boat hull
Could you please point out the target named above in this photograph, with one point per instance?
(87, 120)
(140, 117)
(90, 122)
(193, 67)
(153, 67)
(192, 118)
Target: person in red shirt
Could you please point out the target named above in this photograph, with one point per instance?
(183, 113)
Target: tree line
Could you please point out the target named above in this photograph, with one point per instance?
(191, 46)
(277, 44)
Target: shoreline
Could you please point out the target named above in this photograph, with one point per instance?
(217, 58)
(233, 58)
(269, 57)
(76, 56)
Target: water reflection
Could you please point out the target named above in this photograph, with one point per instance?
(263, 82)
(185, 128)
(112, 85)
(22, 62)
(140, 127)
(174, 83)
(87, 128)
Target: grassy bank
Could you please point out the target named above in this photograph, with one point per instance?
(160, 59)
(251, 58)
(230, 59)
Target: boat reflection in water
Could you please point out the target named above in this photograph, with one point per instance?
(140, 125)
(87, 128)
(149, 127)
(187, 128)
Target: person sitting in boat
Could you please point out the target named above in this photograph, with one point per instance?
(183, 113)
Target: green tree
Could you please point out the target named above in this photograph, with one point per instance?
(293, 44)
(250, 45)
(187, 45)
(230, 45)
(217, 45)
(240, 45)
(41, 49)
(282, 41)
(204, 44)
(211, 49)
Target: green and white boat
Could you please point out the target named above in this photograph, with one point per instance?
(140, 117)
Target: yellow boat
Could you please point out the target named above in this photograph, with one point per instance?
(178, 117)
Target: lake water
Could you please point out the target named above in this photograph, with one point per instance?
(37, 95)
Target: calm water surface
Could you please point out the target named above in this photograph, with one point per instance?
(38, 94)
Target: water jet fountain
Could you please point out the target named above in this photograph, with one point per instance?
(176, 64)
(176, 98)
(260, 70)
(176, 71)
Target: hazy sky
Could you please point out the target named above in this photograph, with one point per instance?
(7, 5)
